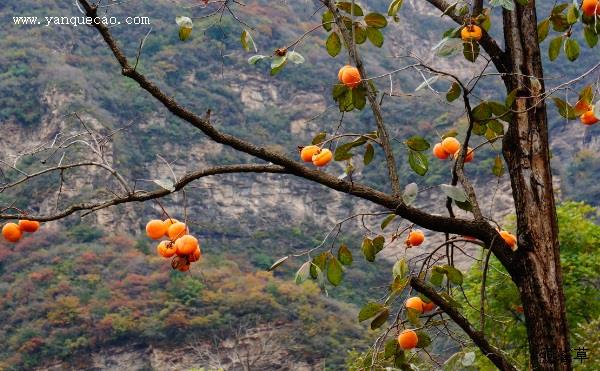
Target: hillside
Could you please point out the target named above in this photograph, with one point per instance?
(77, 290)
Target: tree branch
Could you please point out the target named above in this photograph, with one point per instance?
(139, 196)
(480, 229)
(372, 97)
(493, 353)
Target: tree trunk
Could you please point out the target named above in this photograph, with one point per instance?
(536, 270)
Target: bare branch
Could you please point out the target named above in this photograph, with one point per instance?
(139, 196)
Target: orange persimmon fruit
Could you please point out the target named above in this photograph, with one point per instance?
(11, 232)
(166, 249)
(186, 245)
(438, 151)
(451, 145)
(29, 226)
(590, 7)
(415, 303)
(155, 229)
(588, 118)
(176, 230)
(415, 238)
(471, 33)
(350, 76)
(308, 152)
(322, 158)
(408, 339)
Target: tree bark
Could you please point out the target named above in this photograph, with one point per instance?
(536, 269)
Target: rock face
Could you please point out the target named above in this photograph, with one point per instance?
(260, 348)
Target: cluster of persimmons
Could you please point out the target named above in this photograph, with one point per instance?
(450, 146)
(13, 232)
(408, 339)
(183, 247)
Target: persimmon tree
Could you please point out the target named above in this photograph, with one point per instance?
(519, 122)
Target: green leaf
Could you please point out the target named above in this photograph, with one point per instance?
(165, 184)
(394, 7)
(466, 205)
(400, 268)
(380, 319)
(471, 51)
(454, 92)
(375, 36)
(413, 316)
(572, 14)
(318, 265)
(338, 91)
(559, 22)
(454, 192)
(572, 49)
(247, 41)
(347, 7)
(450, 133)
(370, 310)
(346, 101)
(543, 29)
(345, 255)
(319, 138)
(375, 20)
(587, 94)
(555, 47)
(277, 64)
(498, 168)
(436, 277)
(368, 249)
(333, 44)
(256, 58)
(369, 154)
(468, 359)
(496, 126)
(359, 97)
(335, 272)
(399, 284)
(417, 143)
(448, 47)
(590, 36)
(278, 263)
(392, 348)
(418, 162)
(295, 57)
(482, 111)
(327, 20)
(510, 99)
(378, 243)
(564, 108)
(388, 219)
(410, 193)
(185, 27)
(303, 273)
(559, 8)
(479, 128)
(424, 339)
(454, 275)
(360, 34)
